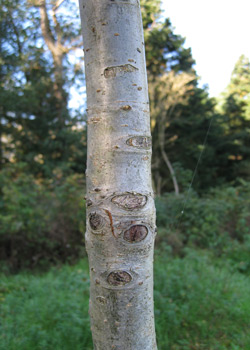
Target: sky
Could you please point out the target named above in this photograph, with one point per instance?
(218, 32)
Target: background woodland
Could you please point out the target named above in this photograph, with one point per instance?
(203, 230)
(43, 140)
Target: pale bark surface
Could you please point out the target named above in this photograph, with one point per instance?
(120, 206)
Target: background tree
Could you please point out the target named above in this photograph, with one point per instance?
(234, 107)
(175, 99)
(167, 92)
(37, 43)
(40, 154)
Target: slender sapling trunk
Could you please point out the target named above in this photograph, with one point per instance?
(120, 206)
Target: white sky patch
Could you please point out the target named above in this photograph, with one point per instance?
(77, 92)
(218, 32)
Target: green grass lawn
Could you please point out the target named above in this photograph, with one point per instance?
(199, 304)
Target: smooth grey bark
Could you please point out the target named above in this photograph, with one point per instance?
(120, 205)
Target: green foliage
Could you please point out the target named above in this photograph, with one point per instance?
(237, 254)
(164, 49)
(214, 220)
(151, 11)
(41, 222)
(46, 311)
(198, 305)
(234, 107)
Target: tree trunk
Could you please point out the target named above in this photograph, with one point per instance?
(171, 170)
(58, 52)
(120, 206)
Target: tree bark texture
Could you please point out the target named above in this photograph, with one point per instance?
(120, 205)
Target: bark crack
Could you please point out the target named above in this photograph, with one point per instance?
(111, 223)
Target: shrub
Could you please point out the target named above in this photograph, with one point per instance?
(210, 221)
(41, 221)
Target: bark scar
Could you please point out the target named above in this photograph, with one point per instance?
(111, 72)
(111, 223)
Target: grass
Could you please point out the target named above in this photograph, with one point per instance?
(45, 312)
(199, 305)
